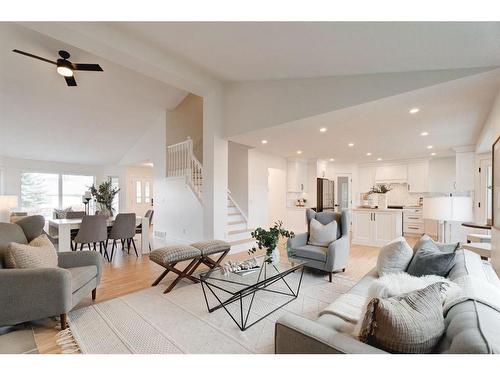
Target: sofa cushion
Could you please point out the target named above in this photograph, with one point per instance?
(430, 260)
(32, 226)
(412, 323)
(321, 234)
(211, 246)
(80, 276)
(446, 247)
(9, 233)
(394, 257)
(39, 253)
(173, 254)
(311, 252)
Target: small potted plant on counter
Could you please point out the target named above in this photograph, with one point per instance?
(381, 191)
(268, 239)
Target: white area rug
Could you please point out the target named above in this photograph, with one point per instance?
(178, 322)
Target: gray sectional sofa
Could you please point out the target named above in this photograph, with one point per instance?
(471, 326)
(30, 294)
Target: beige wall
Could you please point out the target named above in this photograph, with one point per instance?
(238, 174)
(187, 121)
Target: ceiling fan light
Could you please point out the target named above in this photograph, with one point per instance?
(65, 71)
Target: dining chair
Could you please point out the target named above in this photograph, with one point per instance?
(138, 230)
(93, 230)
(123, 229)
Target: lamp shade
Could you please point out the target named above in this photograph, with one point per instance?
(448, 208)
(8, 202)
(437, 208)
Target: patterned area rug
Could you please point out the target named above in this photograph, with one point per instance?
(178, 322)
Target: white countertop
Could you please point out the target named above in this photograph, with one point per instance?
(378, 209)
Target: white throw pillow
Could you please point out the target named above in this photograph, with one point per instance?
(394, 257)
(322, 235)
(39, 253)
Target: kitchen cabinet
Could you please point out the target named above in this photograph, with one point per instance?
(413, 222)
(366, 177)
(297, 175)
(374, 227)
(418, 177)
(391, 173)
(464, 169)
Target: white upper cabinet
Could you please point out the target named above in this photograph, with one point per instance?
(391, 173)
(418, 177)
(464, 164)
(297, 175)
(366, 178)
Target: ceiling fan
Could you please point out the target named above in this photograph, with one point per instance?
(65, 67)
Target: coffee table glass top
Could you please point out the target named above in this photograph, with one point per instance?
(235, 283)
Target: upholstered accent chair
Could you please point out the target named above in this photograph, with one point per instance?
(331, 258)
(34, 293)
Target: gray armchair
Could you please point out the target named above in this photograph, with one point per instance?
(329, 259)
(30, 294)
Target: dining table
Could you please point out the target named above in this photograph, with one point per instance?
(61, 229)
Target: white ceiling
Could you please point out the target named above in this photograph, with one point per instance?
(453, 113)
(94, 123)
(238, 51)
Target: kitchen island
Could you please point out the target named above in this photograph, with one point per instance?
(376, 226)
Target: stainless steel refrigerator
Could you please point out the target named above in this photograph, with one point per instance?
(325, 195)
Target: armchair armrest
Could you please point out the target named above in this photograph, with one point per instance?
(298, 335)
(338, 253)
(29, 294)
(81, 259)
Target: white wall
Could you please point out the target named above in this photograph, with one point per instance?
(238, 174)
(187, 121)
(258, 165)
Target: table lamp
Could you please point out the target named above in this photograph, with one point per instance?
(444, 209)
(7, 203)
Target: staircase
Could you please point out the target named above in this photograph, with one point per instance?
(181, 162)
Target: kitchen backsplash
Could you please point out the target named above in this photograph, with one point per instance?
(399, 196)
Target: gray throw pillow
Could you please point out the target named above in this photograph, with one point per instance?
(394, 257)
(430, 260)
(412, 323)
(447, 247)
(322, 235)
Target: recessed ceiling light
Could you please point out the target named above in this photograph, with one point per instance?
(433, 154)
(368, 154)
(322, 130)
(429, 147)
(299, 152)
(332, 159)
(350, 144)
(379, 159)
(414, 110)
(264, 141)
(424, 134)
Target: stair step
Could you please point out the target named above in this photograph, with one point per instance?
(240, 231)
(236, 222)
(234, 214)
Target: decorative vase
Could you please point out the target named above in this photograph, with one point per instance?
(382, 201)
(105, 211)
(274, 257)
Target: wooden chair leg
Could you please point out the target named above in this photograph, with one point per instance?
(64, 322)
(94, 294)
(182, 274)
(112, 250)
(105, 245)
(160, 278)
(330, 274)
(81, 246)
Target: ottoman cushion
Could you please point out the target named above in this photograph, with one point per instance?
(175, 253)
(211, 246)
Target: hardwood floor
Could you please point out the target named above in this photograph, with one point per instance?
(128, 274)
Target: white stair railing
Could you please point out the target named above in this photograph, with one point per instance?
(182, 162)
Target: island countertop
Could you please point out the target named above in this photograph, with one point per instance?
(378, 209)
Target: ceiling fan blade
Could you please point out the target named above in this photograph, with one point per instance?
(34, 56)
(88, 67)
(70, 81)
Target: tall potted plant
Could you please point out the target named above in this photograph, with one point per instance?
(104, 195)
(268, 239)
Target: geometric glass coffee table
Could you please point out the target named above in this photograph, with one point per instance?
(249, 298)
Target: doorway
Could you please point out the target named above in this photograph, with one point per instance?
(343, 196)
(141, 198)
(276, 195)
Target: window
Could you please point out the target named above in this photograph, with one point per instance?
(115, 182)
(73, 187)
(42, 192)
(138, 192)
(147, 192)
